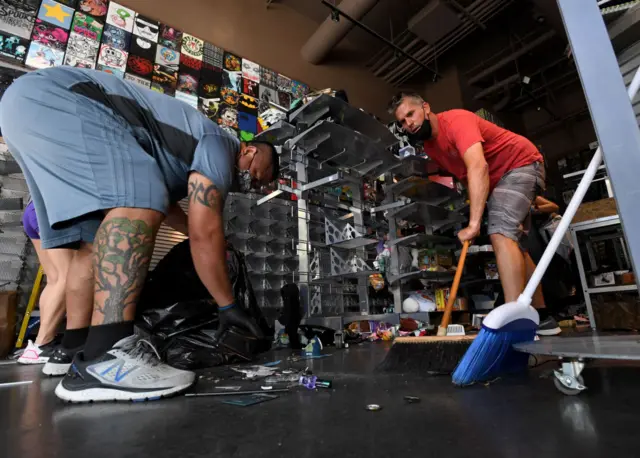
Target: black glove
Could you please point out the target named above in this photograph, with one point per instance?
(234, 315)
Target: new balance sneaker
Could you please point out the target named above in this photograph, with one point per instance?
(549, 327)
(36, 354)
(60, 361)
(130, 371)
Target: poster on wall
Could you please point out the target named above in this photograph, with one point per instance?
(116, 38)
(190, 65)
(112, 71)
(71, 60)
(143, 48)
(229, 96)
(248, 104)
(268, 78)
(96, 8)
(165, 77)
(228, 116)
(266, 95)
(247, 122)
(146, 28)
(50, 35)
(284, 84)
(120, 16)
(213, 55)
(232, 62)
(250, 88)
(16, 21)
(298, 89)
(40, 56)
(284, 99)
(250, 70)
(170, 37)
(167, 57)
(87, 26)
(139, 66)
(232, 80)
(188, 84)
(81, 48)
(112, 57)
(192, 46)
(13, 47)
(138, 80)
(56, 13)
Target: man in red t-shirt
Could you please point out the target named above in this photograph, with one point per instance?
(494, 164)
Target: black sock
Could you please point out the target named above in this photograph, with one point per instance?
(73, 338)
(101, 338)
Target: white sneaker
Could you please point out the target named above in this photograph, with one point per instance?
(36, 354)
(130, 371)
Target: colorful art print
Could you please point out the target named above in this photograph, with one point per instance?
(229, 96)
(139, 66)
(162, 89)
(284, 84)
(71, 60)
(116, 37)
(284, 99)
(96, 8)
(55, 13)
(87, 26)
(40, 56)
(232, 80)
(137, 80)
(13, 47)
(110, 70)
(191, 63)
(267, 96)
(143, 48)
(247, 122)
(50, 35)
(146, 28)
(16, 21)
(213, 55)
(228, 116)
(246, 136)
(82, 47)
(167, 56)
(192, 46)
(113, 57)
(250, 70)
(298, 89)
(232, 62)
(30, 6)
(188, 84)
(187, 98)
(170, 37)
(209, 107)
(120, 16)
(248, 104)
(165, 76)
(208, 88)
(250, 87)
(268, 78)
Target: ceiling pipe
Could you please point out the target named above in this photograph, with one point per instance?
(461, 9)
(378, 36)
(480, 9)
(394, 56)
(503, 102)
(332, 31)
(499, 85)
(513, 56)
(379, 57)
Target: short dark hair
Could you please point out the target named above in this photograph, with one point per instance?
(397, 100)
(275, 158)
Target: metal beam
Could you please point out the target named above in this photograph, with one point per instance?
(466, 13)
(499, 85)
(611, 111)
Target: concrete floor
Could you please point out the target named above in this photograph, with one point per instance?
(521, 418)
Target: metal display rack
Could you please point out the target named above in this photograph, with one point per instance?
(618, 134)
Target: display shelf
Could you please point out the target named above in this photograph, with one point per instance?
(343, 235)
(410, 166)
(417, 239)
(278, 133)
(345, 114)
(612, 289)
(425, 214)
(424, 190)
(436, 277)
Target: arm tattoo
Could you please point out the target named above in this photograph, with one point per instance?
(209, 196)
(122, 252)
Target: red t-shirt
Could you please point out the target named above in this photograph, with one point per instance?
(459, 129)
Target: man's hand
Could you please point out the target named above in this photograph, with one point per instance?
(233, 315)
(469, 233)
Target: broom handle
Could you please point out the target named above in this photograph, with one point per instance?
(576, 200)
(446, 319)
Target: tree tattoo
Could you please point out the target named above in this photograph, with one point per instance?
(209, 196)
(122, 252)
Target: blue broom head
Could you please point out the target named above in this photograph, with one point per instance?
(491, 353)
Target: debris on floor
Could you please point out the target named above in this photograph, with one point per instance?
(312, 382)
(250, 400)
(411, 399)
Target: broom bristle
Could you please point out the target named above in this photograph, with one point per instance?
(435, 357)
(491, 354)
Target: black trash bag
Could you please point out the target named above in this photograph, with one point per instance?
(175, 307)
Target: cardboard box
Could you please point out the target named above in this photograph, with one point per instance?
(442, 296)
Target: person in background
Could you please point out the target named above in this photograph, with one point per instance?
(542, 206)
(503, 172)
(55, 264)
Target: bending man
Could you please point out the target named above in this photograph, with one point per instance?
(106, 162)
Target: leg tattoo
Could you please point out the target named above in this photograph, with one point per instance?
(122, 252)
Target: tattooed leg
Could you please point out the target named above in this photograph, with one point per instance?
(122, 251)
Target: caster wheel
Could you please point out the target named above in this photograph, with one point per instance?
(566, 390)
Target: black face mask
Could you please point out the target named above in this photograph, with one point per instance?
(424, 133)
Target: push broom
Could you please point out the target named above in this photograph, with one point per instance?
(491, 353)
(432, 354)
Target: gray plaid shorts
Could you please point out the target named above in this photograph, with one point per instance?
(510, 202)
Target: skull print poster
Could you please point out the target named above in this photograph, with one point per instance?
(113, 57)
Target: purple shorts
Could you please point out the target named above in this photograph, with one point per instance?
(30, 222)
